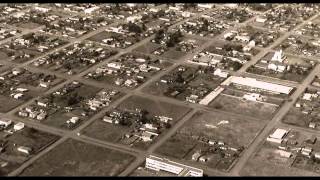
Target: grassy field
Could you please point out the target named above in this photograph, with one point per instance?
(37, 140)
(147, 48)
(74, 158)
(58, 119)
(100, 36)
(9, 105)
(297, 118)
(29, 25)
(3, 56)
(234, 131)
(264, 163)
(239, 106)
(155, 107)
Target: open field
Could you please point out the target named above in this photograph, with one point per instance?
(74, 158)
(234, 131)
(240, 106)
(263, 163)
(29, 137)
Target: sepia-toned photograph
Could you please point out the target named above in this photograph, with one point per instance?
(159, 89)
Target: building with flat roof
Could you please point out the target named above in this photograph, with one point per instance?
(266, 86)
(277, 136)
(157, 164)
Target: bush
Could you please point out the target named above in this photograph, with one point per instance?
(217, 106)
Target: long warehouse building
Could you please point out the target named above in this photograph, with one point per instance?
(254, 83)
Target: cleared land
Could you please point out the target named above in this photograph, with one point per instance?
(233, 131)
(74, 158)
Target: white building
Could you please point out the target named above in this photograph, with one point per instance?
(134, 18)
(91, 10)
(24, 149)
(231, 5)
(245, 39)
(148, 136)
(220, 73)
(41, 9)
(277, 136)
(278, 56)
(44, 84)
(266, 86)
(205, 5)
(115, 65)
(18, 126)
(74, 120)
(157, 164)
(253, 97)
(261, 19)
(309, 96)
(5, 122)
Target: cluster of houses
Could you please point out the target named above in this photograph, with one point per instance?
(183, 46)
(48, 105)
(178, 84)
(7, 33)
(169, 16)
(119, 38)
(233, 14)
(286, 17)
(102, 99)
(215, 146)
(37, 15)
(11, 8)
(128, 70)
(121, 10)
(144, 131)
(76, 26)
(34, 112)
(35, 42)
(87, 8)
(9, 128)
(289, 146)
(277, 63)
(221, 58)
(204, 26)
(301, 46)
(186, 46)
(76, 57)
(310, 29)
(252, 36)
(308, 105)
(39, 111)
(16, 81)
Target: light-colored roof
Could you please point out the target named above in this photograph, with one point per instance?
(251, 82)
(279, 133)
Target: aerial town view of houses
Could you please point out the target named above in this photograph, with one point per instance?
(159, 89)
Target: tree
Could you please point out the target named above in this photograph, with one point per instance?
(161, 13)
(143, 116)
(134, 28)
(159, 35)
(179, 78)
(100, 19)
(73, 99)
(167, 125)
